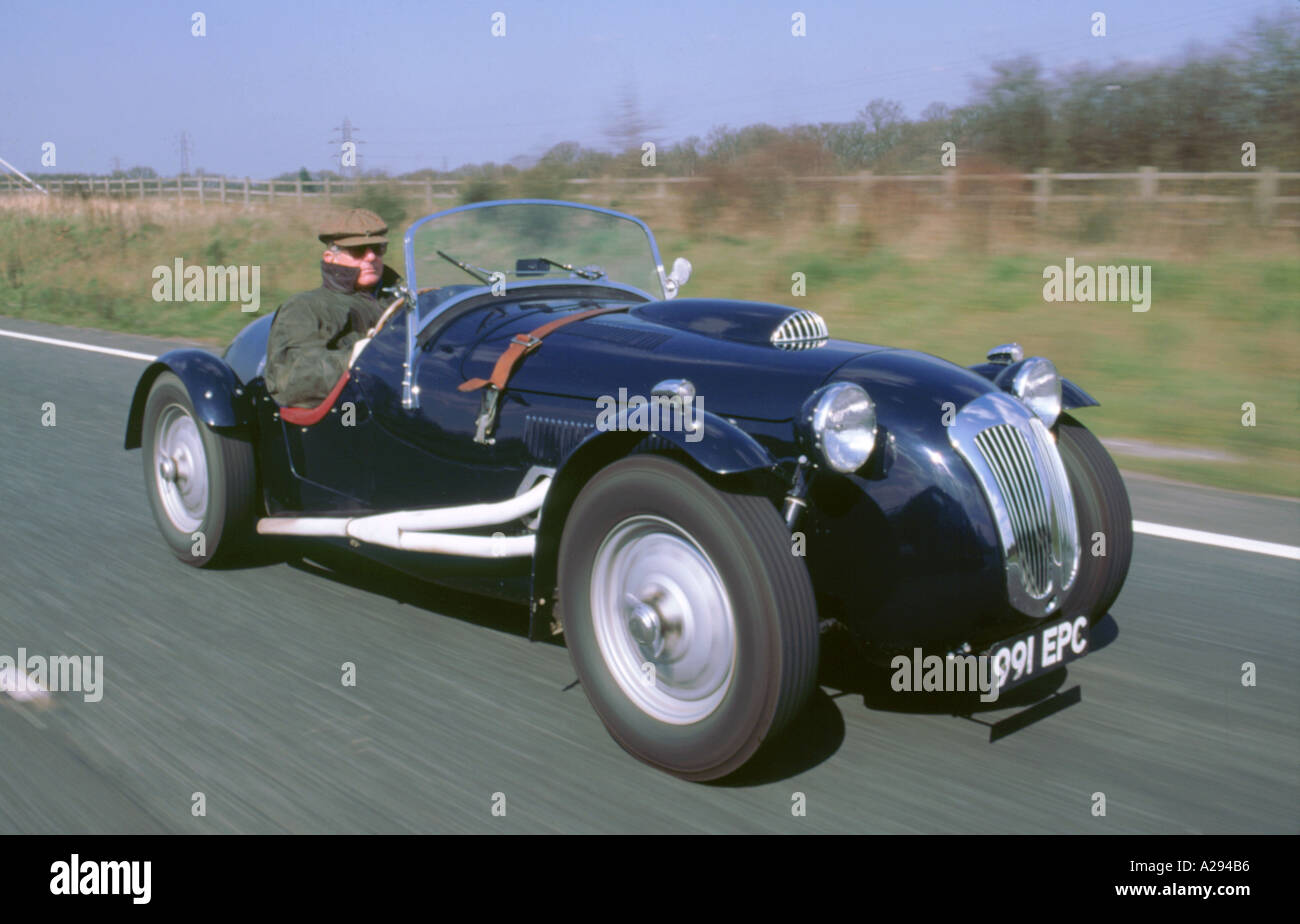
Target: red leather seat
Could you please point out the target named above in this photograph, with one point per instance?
(306, 416)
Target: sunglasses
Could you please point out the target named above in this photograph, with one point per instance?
(360, 250)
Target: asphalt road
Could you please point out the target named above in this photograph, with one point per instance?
(227, 683)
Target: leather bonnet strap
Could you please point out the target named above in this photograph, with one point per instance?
(523, 344)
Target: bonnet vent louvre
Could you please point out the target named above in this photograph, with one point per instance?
(803, 330)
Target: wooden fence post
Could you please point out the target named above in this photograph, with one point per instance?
(221, 188)
(1042, 192)
(297, 187)
(245, 192)
(428, 195)
(1265, 194)
(1148, 182)
(203, 182)
(327, 190)
(270, 191)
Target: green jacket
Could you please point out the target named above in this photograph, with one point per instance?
(313, 333)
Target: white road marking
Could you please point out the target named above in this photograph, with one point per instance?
(1217, 539)
(1139, 526)
(109, 351)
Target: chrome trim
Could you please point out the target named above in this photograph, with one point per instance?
(810, 428)
(410, 394)
(1006, 353)
(803, 330)
(1019, 385)
(675, 388)
(672, 285)
(1015, 459)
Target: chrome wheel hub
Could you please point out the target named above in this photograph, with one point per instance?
(182, 469)
(663, 619)
(645, 624)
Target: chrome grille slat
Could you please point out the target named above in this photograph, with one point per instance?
(1015, 459)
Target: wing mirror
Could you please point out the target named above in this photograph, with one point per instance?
(677, 276)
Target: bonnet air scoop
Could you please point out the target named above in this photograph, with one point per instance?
(803, 330)
(756, 323)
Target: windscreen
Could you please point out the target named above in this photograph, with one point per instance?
(518, 243)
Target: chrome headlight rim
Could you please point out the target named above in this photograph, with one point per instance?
(838, 426)
(1038, 386)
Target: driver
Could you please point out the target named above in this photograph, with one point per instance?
(313, 333)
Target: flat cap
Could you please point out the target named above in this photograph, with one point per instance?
(353, 227)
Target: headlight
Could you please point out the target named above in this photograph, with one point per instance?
(838, 422)
(1037, 384)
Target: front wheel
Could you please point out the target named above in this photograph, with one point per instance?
(692, 627)
(1105, 521)
(201, 483)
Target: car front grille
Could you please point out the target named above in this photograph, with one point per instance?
(1007, 453)
(1015, 459)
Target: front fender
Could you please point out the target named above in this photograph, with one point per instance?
(1072, 396)
(718, 447)
(214, 389)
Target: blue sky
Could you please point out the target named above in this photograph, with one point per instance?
(428, 84)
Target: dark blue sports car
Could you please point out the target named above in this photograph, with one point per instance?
(691, 490)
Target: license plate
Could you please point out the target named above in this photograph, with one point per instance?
(1031, 654)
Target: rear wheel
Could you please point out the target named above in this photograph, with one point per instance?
(692, 627)
(201, 483)
(1105, 521)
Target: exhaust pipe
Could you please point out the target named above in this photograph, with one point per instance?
(423, 530)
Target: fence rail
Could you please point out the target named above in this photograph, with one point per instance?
(1262, 188)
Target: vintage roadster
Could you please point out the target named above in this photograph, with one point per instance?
(690, 490)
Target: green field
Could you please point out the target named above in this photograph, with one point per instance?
(1222, 329)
